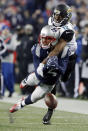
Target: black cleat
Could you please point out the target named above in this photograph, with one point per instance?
(47, 117)
(10, 94)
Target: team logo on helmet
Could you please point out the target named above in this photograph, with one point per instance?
(69, 10)
(57, 11)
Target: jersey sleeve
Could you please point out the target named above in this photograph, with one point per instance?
(36, 57)
(67, 35)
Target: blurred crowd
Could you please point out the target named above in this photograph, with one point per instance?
(20, 25)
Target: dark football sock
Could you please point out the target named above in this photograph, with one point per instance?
(28, 100)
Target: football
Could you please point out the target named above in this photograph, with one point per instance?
(50, 100)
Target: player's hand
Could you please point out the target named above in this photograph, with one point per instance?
(40, 69)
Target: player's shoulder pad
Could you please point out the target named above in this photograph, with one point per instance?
(67, 35)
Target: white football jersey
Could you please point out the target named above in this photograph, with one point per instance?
(72, 45)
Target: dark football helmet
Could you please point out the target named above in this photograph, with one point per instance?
(61, 14)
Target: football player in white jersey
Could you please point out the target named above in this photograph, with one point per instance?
(60, 19)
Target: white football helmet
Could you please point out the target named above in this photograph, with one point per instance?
(48, 36)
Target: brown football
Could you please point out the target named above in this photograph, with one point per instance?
(50, 100)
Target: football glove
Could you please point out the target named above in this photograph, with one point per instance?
(40, 69)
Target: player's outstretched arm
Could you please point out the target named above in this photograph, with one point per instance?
(57, 49)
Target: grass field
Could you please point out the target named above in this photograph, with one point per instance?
(30, 119)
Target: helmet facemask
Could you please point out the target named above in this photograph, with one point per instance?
(46, 41)
(56, 16)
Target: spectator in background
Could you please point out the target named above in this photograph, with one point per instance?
(78, 62)
(31, 6)
(27, 16)
(85, 43)
(74, 16)
(3, 20)
(14, 15)
(70, 3)
(29, 31)
(21, 55)
(40, 4)
(52, 3)
(27, 39)
(83, 88)
(8, 60)
(82, 15)
(37, 20)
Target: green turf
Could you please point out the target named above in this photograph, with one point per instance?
(30, 119)
(17, 88)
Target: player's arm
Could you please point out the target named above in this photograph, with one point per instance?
(57, 49)
(65, 37)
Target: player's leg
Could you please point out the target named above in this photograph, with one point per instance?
(37, 94)
(70, 68)
(64, 78)
(48, 115)
(30, 80)
(9, 78)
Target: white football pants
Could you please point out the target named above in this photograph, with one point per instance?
(40, 90)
